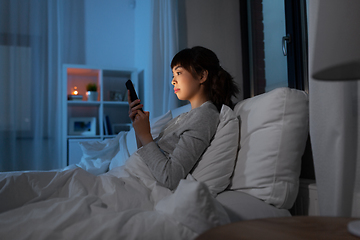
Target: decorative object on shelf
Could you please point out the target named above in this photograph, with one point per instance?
(105, 126)
(108, 125)
(75, 91)
(125, 96)
(116, 96)
(82, 126)
(92, 94)
(75, 96)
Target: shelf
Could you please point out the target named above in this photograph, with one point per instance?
(81, 71)
(83, 103)
(84, 136)
(115, 103)
(109, 113)
(95, 103)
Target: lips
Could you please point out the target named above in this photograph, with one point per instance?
(176, 90)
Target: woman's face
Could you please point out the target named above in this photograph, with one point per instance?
(186, 87)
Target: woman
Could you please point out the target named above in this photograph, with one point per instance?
(198, 78)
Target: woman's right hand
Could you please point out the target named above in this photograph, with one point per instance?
(133, 107)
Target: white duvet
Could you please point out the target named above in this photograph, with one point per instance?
(124, 203)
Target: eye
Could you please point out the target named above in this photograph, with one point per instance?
(178, 73)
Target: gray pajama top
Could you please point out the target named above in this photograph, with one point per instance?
(172, 155)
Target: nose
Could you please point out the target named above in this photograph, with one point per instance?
(173, 81)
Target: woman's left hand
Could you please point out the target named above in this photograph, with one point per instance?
(141, 126)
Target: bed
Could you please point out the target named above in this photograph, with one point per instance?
(250, 170)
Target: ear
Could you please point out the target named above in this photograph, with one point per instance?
(204, 76)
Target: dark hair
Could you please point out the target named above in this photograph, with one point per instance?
(219, 84)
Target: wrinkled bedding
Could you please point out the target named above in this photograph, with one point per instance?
(124, 203)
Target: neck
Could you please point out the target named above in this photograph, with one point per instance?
(198, 102)
(198, 99)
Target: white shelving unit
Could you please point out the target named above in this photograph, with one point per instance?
(78, 115)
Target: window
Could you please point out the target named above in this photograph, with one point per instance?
(274, 41)
(275, 44)
(15, 55)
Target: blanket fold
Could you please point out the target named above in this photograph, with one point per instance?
(124, 203)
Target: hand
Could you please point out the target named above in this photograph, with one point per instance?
(133, 107)
(141, 126)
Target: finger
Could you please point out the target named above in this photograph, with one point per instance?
(132, 115)
(134, 103)
(140, 113)
(137, 107)
(137, 118)
(143, 114)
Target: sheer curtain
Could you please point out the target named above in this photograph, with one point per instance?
(159, 93)
(36, 38)
(334, 131)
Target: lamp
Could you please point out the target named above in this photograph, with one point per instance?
(336, 54)
(75, 91)
(74, 94)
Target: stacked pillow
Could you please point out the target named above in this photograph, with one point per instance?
(217, 163)
(273, 133)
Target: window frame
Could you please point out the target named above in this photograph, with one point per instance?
(296, 26)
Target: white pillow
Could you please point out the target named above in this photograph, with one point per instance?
(242, 206)
(122, 154)
(97, 155)
(274, 129)
(217, 163)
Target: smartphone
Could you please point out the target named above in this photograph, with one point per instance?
(133, 95)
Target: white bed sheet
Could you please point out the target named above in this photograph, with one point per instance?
(124, 203)
(242, 206)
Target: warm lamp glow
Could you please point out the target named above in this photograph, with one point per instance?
(75, 92)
